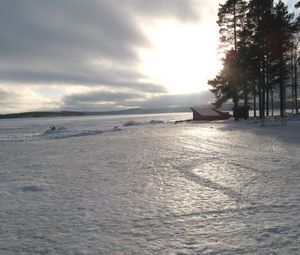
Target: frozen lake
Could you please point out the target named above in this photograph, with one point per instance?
(143, 185)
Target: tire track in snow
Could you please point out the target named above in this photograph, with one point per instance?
(189, 175)
(207, 148)
(283, 152)
(154, 166)
(168, 218)
(273, 144)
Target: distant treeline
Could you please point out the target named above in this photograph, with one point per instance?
(260, 49)
(40, 114)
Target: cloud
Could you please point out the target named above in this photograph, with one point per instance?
(4, 95)
(97, 100)
(183, 9)
(91, 43)
(66, 29)
(24, 99)
(116, 79)
(100, 96)
(58, 39)
(163, 101)
(103, 100)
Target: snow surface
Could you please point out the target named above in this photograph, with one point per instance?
(150, 188)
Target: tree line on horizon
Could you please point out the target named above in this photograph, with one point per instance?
(260, 56)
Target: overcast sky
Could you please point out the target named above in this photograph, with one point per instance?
(106, 54)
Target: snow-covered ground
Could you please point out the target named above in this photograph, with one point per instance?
(143, 185)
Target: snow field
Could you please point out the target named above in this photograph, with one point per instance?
(191, 188)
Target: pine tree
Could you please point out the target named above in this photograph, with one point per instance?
(258, 41)
(294, 73)
(231, 17)
(223, 84)
(260, 21)
(297, 59)
(283, 31)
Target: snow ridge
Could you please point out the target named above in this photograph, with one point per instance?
(63, 132)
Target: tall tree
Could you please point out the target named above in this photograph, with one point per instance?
(294, 56)
(283, 31)
(223, 85)
(231, 18)
(258, 38)
(259, 20)
(297, 26)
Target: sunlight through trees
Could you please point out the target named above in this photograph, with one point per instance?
(260, 56)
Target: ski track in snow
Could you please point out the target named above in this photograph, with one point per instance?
(150, 188)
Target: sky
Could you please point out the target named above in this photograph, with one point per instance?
(98, 55)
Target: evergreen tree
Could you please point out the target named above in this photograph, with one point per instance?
(230, 20)
(223, 84)
(231, 17)
(297, 27)
(260, 21)
(258, 41)
(283, 31)
(294, 73)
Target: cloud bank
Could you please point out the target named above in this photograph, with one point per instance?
(96, 101)
(90, 43)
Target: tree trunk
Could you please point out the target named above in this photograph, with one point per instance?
(296, 85)
(272, 101)
(281, 88)
(254, 98)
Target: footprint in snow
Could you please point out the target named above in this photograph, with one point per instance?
(32, 188)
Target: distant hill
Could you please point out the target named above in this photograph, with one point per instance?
(41, 114)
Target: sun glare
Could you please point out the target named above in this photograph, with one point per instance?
(183, 57)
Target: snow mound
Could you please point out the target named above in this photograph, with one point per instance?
(32, 188)
(151, 122)
(131, 123)
(114, 129)
(63, 132)
(154, 122)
